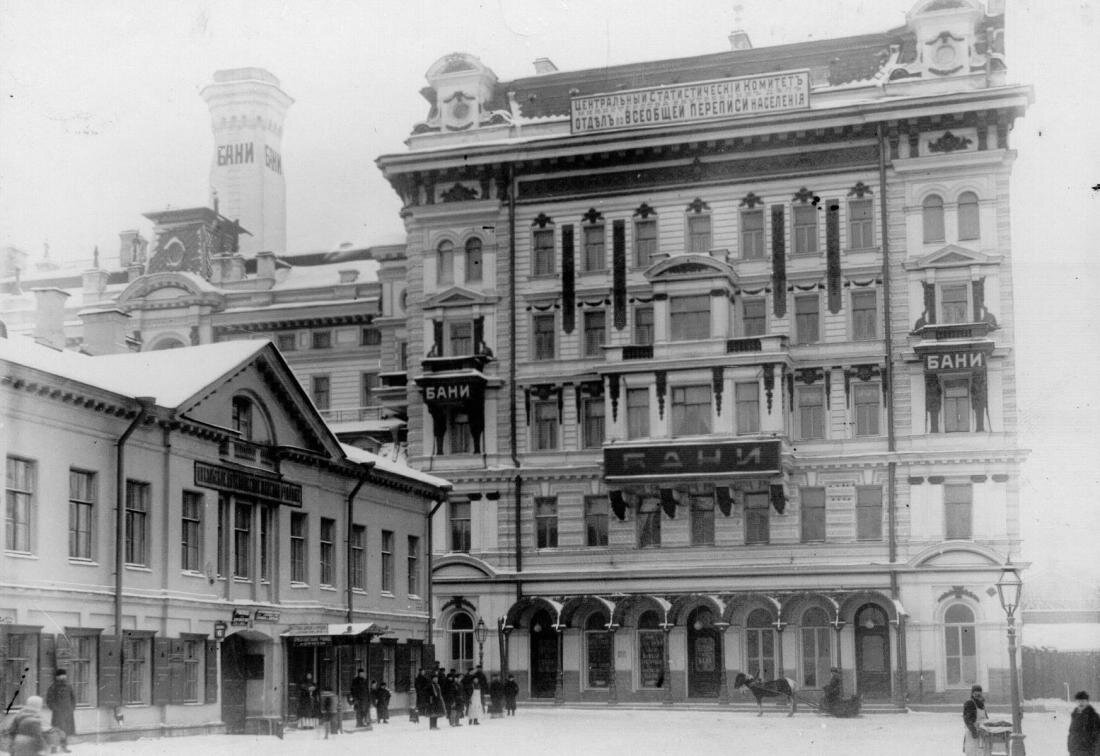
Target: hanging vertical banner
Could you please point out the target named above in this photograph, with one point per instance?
(779, 262)
(832, 254)
(618, 273)
(568, 290)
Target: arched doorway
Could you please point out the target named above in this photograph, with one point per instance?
(872, 652)
(597, 651)
(704, 654)
(544, 656)
(242, 660)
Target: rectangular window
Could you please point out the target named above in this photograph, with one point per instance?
(135, 670)
(954, 303)
(807, 314)
(191, 532)
(595, 332)
(867, 408)
(402, 355)
(805, 229)
(83, 663)
(328, 551)
(594, 248)
(242, 540)
(387, 561)
(643, 325)
(370, 337)
(546, 426)
(649, 523)
(689, 317)
(595, 520)
(287, 342)
(194, 656)
(691, 410)
(321, 340)
(592, 430)
(756, 518)
(816, 655)
(869, 513)
(20, 663)
(702, 520)
(747, 397)
(811, 412)
(458, 431)
(359, 557)
(864, 315)
(645, 242)
(637, 413)
(445, 263)
(320, 391)
(699, 237)
(754, 317)
(543, 327)
(813, 514)
(957, 515)
(460, 526)
(956, 405)
(82, 494)
(473, 260)
(861, 229)
(543, 263)
(137, 526)
(19, 506)
(413, 572)
(298, 548)
(752, 235)
(265, 542)
(546, 522)
(462, 338)
(368, 382)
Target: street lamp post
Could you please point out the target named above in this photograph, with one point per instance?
(1009, 587)
(481, 632)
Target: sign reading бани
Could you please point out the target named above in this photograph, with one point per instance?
(692, 460)
(686, 103)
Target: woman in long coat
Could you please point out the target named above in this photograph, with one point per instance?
(61, 701)
(308, 705)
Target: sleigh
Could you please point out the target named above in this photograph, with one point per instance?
(845, 707)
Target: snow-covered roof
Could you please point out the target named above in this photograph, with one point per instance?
(313, 276)
(355, 454)
(172, 376)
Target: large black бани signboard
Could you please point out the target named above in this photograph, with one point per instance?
(692, 460)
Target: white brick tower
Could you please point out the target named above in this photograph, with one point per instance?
(247, 109)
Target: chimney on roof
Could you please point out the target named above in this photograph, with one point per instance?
(739, 40)
(265, 266)
(95, 283)
(49, 321)
(105, 331)
(544, 66)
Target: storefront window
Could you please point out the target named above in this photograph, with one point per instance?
(651, 651)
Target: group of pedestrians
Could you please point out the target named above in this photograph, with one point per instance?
(27, 731)
(457, 697)
(323, 710)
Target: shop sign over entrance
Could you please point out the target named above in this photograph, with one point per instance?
(692, 460)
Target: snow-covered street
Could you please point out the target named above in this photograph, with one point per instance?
(585, 731)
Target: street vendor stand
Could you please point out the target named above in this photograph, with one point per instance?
(997, 734)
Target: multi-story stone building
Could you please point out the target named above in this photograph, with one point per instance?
(718, 354)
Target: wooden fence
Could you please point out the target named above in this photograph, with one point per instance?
(1048, 673)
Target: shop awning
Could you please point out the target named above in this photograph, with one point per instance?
(321, 634)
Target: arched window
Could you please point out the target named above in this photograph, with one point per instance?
(597, 646)
(816, 647)
(651, 651)
(473, 260)
(760, 645)
(445, 263)
(462, 641)
(959, 646)
(969, 224)
(932, 217)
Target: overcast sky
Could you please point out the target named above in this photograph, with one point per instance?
(101, 120)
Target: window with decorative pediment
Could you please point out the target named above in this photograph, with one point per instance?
(542, 262)
(543, 330)
(645, 241)
(864, 315)
(861, 228)
(595, 333)
(754, 317)
(807, 319)
(752, 234)
(804, 228)
(595, 258)
(866, 408)
(960, 646)
(810, 401)
(699, 234)
(544, 433)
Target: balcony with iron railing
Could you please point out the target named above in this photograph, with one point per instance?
(375, 413)
(767, 344)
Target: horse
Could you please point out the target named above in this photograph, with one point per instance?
(760, 689)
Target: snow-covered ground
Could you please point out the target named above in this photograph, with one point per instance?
(626, 732)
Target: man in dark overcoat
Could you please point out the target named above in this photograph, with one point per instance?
(1084, 728)
(360, 698)
(61, 700)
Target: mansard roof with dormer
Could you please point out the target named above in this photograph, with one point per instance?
(952, 256)
(457, 296)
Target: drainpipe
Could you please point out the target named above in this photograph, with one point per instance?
(431, 549)
(517, 482)
(364, 476)
(146, 405)
(901, 694)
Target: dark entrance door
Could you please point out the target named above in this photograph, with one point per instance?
(704, 654)
(872, 652)
(234, 683)
(544, 657)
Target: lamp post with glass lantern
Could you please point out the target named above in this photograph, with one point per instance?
(481, 632)
(1009, 588)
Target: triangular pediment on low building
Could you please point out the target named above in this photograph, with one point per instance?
(952, 256)
(457, 296)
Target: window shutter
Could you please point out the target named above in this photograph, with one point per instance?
(162, 671)
(832, 254)
(401, 669)
(210, 683)
(109, 678)
(779, 262)
(568, 290)
(177, 676)
(618, 273)
(47, 662)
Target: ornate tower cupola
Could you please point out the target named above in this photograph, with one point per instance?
(948, 37)
(463, 90)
